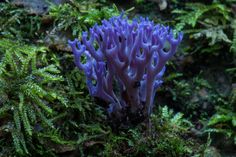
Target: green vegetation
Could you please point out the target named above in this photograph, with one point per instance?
(45, 108)
(16, 23)
(196, 20)
(27, 92)
(78, 17)
(223, 122)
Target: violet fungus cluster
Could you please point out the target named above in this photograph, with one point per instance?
(124, 62)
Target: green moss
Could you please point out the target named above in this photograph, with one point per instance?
(27, 93)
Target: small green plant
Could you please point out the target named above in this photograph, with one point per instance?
(27, 92)
(196, 20)
(223, 122)
(168, 133)
(170, 120)
(195, 13)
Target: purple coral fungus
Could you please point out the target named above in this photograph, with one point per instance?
(124, 62)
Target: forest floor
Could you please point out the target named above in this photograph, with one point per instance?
(45, 107)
